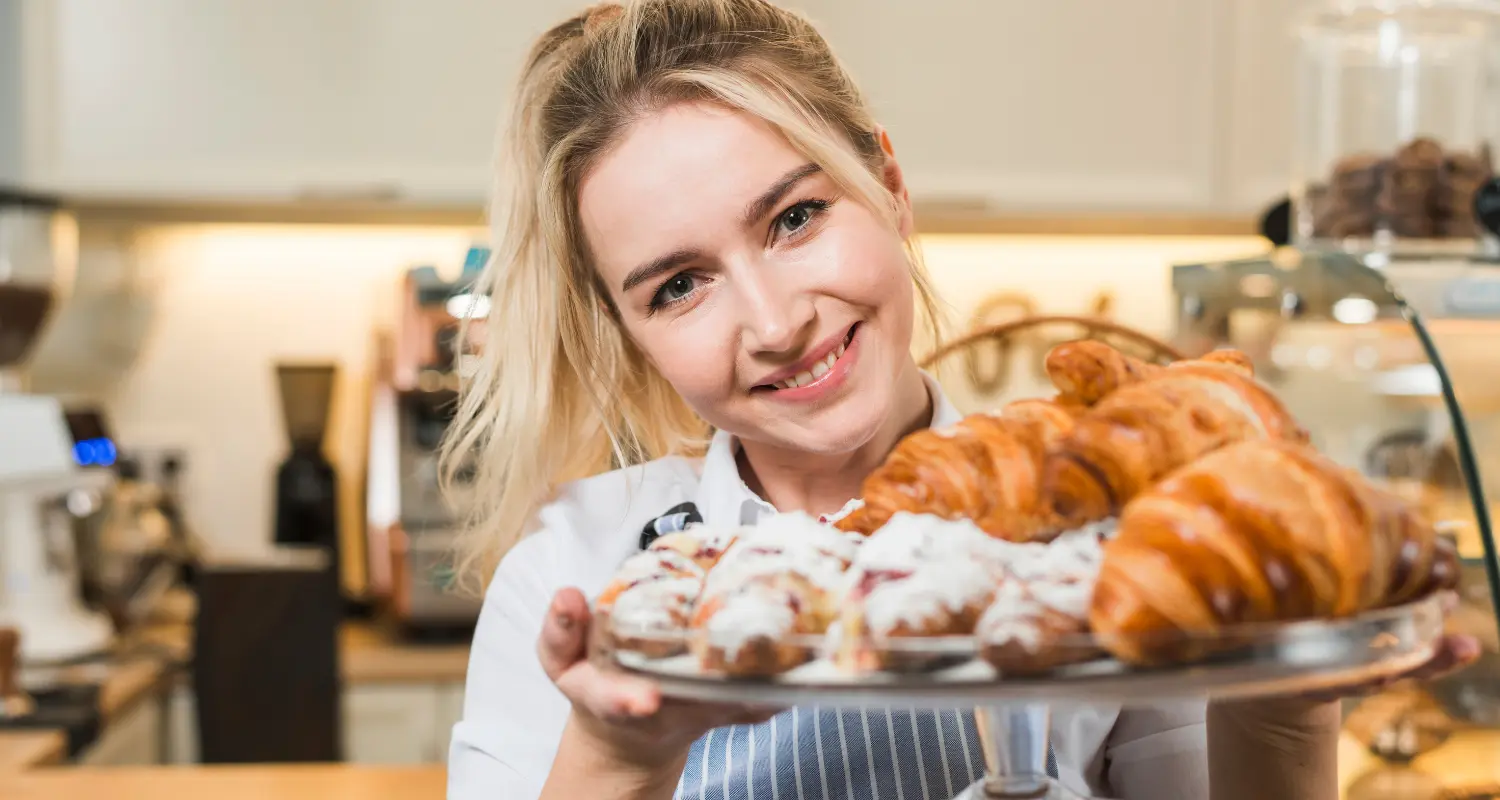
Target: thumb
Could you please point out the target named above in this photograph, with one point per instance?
(564, 637)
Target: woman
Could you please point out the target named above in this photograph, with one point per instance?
(707, 232)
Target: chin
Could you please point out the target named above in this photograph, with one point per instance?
(841, 429)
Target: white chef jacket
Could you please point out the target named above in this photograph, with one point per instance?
(513, 716)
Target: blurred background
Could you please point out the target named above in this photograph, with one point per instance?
(236, 238)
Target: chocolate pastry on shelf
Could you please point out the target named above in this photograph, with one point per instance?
(1259, 531)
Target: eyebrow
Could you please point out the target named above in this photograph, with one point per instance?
(761, 206)
(655, 267)
(756, 209)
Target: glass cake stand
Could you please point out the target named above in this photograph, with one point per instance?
(1013, 712)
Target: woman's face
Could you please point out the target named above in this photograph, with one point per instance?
(780, 308)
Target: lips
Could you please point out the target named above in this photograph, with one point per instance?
(815, 371)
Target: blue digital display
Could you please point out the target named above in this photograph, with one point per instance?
(94, 453)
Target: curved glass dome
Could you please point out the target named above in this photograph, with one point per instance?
(1395, 370)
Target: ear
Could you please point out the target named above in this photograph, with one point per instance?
(895, 182)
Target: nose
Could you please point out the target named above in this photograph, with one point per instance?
(778, 313)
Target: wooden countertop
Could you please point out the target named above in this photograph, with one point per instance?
(370, 654)
(26, 749)
(313, 782)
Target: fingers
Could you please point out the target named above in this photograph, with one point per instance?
(609, 695)
(1453, 654)
(714, 715)
(564, 637)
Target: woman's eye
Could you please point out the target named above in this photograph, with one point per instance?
(797, 217)
(677, 287)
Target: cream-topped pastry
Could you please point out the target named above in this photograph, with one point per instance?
(704, 544)
(647, 565)
(657, 605)
(795, 529)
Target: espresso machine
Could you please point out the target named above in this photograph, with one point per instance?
(43, 485)
(412, 523)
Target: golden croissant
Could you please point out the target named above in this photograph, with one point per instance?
(1258, 531)
(1038, 467)
(987, 468)
(1087, 371)
(1141, 432)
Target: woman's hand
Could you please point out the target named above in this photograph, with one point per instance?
(623, 718)
(1288, 746)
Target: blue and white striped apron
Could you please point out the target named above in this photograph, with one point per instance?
(828, 754)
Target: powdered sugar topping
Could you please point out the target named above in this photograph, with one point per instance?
(751, 612)
(662, 604)
(934, 590)
(654, 563)
(795, 530)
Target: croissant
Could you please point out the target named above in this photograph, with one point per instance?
(1139, 433)
(1258, 531)
(1087, 371)
(987, 468)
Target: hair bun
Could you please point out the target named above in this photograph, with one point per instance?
(601, 14)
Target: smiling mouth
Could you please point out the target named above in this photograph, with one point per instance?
(818, 370)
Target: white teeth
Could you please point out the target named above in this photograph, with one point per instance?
(819, 370)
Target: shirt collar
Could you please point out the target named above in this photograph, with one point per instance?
(723, 497)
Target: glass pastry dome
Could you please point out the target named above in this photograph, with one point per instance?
(1391, 362)
(1396, 123)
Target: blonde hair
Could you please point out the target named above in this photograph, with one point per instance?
(561, 393)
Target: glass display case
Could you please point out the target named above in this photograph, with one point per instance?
(1396, 120)
(1395, 371)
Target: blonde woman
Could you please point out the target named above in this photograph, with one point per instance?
(702, 272)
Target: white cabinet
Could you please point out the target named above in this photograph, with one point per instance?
(1261, 100)
(276, 99)
(400, 723)
(1064, 104)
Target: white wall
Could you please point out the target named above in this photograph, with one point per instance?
(1059, 275)
(233, 301)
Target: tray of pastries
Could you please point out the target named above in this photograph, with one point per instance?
(1149, 532)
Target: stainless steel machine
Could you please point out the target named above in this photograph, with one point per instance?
(42, 483)
(412, 524)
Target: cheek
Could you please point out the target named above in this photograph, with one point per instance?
(870, 270)
(695, 356)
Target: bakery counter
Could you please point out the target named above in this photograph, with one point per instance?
(309, 782)
(21, 750)
(370, 653)
(400, 700)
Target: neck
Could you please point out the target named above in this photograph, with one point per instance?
(795, 480)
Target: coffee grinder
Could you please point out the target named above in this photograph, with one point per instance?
(306, 481)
